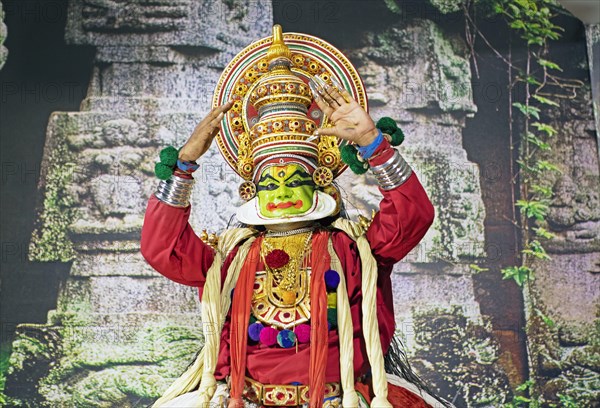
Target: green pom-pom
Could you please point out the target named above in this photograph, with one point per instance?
(387, 125)
(162, 171)
(349, 155)
(168, 156)
(397, 137)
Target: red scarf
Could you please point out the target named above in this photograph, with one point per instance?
(318, 315)
(240, 314)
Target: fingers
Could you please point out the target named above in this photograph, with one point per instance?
(342, 91)
(214, 112)
(322, 89)
(328, 131)
(324, 106)
(220, 110)
(215, 124)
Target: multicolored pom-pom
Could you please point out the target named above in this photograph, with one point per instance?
(332, 318)
(302, 333)
(286, 338)
(254, 331)
(332, 300)
(277, 258)
(332, 280)
(268, 336)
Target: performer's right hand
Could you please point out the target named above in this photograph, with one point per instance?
(204, 133)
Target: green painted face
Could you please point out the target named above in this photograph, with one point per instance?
(285, 191)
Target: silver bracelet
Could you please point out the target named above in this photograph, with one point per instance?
(393, 173)
(175, 191)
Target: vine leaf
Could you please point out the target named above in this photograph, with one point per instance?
(478, 269)
(544, 233)
(535, 248)
(547, 320)
(543, 127)
(549, 64)
(546, 101)
(528, 110)
(533, 208)
(520, 274)
(545, 165)
(537, 141)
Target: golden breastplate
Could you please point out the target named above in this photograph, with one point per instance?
(279, 308)
(281, 296)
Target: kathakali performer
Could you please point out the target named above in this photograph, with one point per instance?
(297, 303)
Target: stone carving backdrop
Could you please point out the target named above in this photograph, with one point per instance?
(121, 333)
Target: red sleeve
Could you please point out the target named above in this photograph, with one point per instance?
(170, 245)
(405, 214)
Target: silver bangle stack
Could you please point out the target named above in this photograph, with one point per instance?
(175, 191)
(393, 173)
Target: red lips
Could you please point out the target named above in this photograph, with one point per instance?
(287, 204)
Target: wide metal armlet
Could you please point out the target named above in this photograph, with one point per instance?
(176, 191)
(393, 173)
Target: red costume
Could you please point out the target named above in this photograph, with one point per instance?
(279, 343)
(170, 245)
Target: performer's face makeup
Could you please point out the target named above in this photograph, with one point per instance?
(284, 191)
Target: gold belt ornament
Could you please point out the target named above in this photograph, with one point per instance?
(285, 395)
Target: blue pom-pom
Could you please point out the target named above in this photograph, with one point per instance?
(254, 331)
(332, 280)
(286, 338)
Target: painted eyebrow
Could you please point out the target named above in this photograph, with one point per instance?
(300, 173)
(266, 176)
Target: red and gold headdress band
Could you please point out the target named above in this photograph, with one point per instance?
(274, 113)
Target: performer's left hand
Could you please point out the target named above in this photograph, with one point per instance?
(348, 119)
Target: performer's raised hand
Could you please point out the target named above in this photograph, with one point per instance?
(347, 118)
(204, 133)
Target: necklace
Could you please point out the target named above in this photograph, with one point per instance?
(282, 257)
(290, 232)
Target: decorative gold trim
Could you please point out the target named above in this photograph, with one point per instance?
(305, 63)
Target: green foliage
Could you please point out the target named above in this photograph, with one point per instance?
(51, 241)
(535, 249)
(532, 21)
(549, 64)
(477, 269)
(533, 209)
(528, 111)
(547, 321)
(520, 274)
(568, 401)
(393, 6)
(544, 127)
(520, 400)
(544, 100)
(4, 359)
(543, 233)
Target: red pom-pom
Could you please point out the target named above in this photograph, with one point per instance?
(277, 258)
(268, 336)
(302, 333)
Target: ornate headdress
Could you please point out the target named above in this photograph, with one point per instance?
(274, 114)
